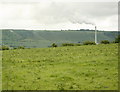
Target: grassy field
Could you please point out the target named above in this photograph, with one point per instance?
(93, 67)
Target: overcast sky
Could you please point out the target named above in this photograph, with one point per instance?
(57, 15)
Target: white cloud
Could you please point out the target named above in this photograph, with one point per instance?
(58, 15)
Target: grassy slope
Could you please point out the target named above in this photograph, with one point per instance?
(79, 68)
(46, 38)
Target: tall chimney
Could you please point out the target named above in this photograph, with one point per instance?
(95, 34)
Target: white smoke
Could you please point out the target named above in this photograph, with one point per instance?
(82, 20)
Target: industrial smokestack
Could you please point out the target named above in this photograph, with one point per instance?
(95, 34)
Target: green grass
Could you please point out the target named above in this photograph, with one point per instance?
(93, 67)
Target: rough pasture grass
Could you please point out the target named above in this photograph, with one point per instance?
(62, 68)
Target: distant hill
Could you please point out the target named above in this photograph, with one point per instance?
(32, 38)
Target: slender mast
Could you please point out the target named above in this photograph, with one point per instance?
(95, 34)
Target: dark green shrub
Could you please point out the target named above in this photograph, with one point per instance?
(14, 48)
(113, 42)
(21, 47)
(67, 44)
(104, 42)
(117, 39)
(89, 43)
(54, 45)
(3, 47)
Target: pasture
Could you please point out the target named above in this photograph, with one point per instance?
(92, 67)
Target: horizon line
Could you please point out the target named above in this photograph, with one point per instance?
(53, 29)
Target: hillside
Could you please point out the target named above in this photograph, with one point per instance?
(30, 38)
(93, 67)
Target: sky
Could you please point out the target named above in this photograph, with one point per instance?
(59, 14)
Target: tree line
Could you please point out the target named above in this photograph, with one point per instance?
(117, 40)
